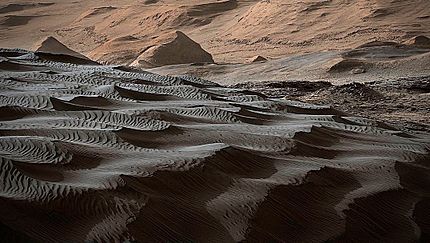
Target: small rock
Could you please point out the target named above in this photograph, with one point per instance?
(358, 71)
(256, 59)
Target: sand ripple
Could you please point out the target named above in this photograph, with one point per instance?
(107, 153)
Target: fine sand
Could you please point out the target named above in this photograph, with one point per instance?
(92, 153)
(95, 149)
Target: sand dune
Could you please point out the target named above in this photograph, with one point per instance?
(111, 153)
(93, 153)
(15, 20)
(15, 7)
(212, 8)
(231, 30)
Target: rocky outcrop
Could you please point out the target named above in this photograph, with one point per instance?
(173, 48)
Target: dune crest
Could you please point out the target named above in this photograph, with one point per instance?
(92, 153)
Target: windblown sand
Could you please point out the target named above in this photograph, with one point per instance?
(107, 153)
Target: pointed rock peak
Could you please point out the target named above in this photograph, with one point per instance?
(420, 41)
(180, 34)
(256, 59)
(173, 48)
(175, 36)
(51, 45)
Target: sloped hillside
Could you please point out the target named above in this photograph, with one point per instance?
(231, 30)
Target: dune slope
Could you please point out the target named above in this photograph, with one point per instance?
(105, 153)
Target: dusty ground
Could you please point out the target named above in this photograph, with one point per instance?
(402, 103)
(231, 30)
(373, 61)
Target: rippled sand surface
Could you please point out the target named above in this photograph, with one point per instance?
(105, 153)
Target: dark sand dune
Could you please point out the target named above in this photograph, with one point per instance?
(92, 153)
(212, 8)
(15, 7)
(15, 20)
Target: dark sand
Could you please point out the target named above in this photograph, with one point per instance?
(109, 154)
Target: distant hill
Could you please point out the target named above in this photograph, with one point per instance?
(231, 30)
